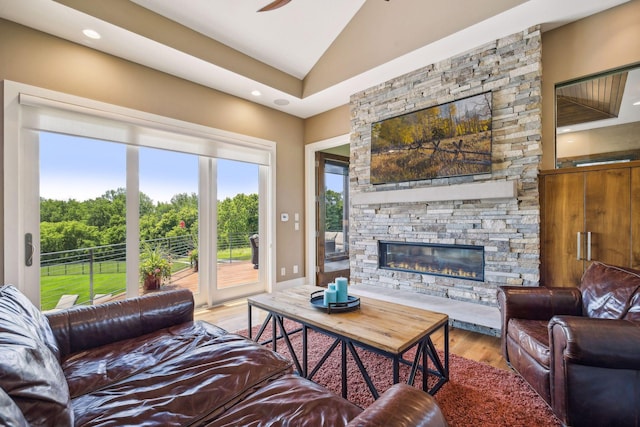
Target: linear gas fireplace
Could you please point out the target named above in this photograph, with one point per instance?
(460, 261)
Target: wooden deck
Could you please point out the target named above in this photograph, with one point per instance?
(229, 274)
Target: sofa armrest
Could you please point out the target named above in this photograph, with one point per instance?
(595, 370)
(538, 303)
(604, 343)
(535, 303)
(401, 406)
(83, 327)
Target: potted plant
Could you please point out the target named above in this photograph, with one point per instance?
(193, 259)
(155, 267)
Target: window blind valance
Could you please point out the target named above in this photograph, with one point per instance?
(117, 124)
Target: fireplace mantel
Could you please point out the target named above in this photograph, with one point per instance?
(471, 191)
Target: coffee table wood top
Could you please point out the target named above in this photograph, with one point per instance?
(386, 326)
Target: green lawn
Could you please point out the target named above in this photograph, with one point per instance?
(52, 287)
(108, 277)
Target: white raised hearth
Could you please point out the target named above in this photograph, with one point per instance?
(466, 315)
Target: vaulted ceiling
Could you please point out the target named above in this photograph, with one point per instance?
(304, 58)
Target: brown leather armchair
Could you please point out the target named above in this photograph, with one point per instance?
(579, 348)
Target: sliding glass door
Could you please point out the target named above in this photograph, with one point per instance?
(99, 208)
(82, 208)
(168, 220)
(237, 227)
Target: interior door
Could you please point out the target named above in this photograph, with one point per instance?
(332, 217)
(563, 216)
(635, 218)
(607, 207)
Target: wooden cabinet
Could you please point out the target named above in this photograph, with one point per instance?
(587, 215)
(635, 218)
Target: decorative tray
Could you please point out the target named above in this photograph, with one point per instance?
(317, 300)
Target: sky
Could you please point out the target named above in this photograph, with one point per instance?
(82, 168)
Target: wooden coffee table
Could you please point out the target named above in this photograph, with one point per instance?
(382, 327)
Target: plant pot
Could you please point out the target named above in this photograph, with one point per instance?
(195, 266)
(151, 282)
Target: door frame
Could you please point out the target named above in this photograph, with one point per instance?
(310, 198)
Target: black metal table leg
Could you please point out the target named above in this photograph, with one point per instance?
(274, 334)
(344, 368)
(249, 321)
(305, 358)
(396, 369)
(425, 368)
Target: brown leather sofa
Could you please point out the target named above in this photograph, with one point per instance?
(579, 348)
(146, 362)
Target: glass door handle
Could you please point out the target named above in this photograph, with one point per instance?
(29, 249)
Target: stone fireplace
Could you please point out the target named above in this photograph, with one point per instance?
(498, 211)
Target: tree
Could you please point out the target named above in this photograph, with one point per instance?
(237, 216)
(334, 210)
(67, 235)
(68, 225)
(183, 199)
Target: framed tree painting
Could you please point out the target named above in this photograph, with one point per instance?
(447, 140)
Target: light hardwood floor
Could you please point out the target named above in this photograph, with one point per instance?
(233, 316)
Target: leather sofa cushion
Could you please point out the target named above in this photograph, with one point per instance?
(533, 338)
(97, 368)
(608, 292)
(386, 411)
(15, 303)
(298, 401)
(85, 327)
(633, 313)
(30, 371)
(10, 414)
(183, 388)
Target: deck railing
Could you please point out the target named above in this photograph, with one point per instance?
(101, 270)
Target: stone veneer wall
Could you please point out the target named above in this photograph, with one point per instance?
(508, 228)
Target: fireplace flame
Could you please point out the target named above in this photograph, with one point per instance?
(428, 269)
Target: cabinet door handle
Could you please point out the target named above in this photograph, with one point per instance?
(579, 246)
(588, 246)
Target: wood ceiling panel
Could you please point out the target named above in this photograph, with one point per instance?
(591, 100)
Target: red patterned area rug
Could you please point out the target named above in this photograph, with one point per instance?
(476, 394)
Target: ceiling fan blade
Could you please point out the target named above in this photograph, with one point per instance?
(274, 5)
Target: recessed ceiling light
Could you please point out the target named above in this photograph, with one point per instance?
(636, 103)
(92, 34)
(255, 93)
(281, 101)
(566, 130)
